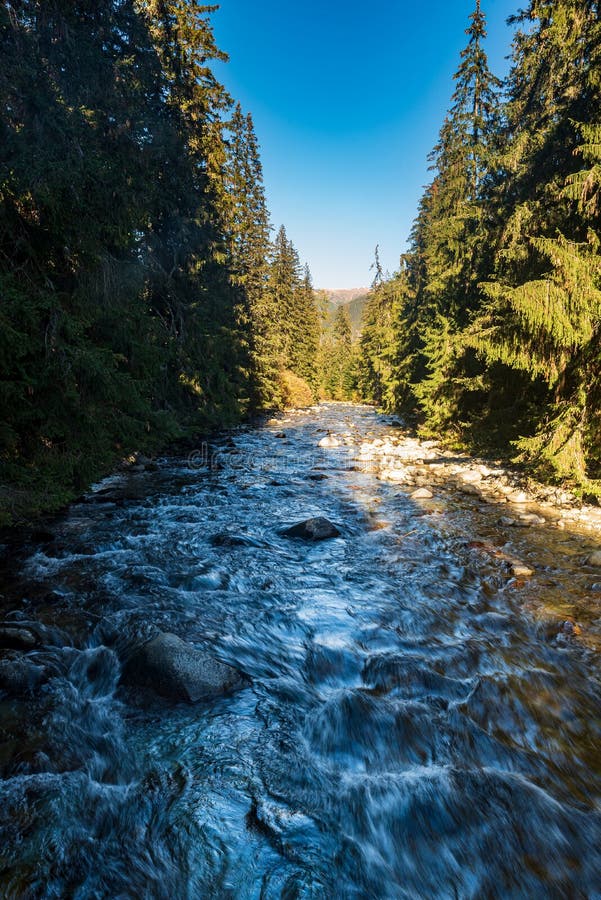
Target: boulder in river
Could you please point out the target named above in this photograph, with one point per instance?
(316, 529)
(520, 570)
(329, 441)
(422, 494)
(517, 497)
(177, 670)
(17, 637)
(471, 476)
(468, 487)
(595, 559)
(19, 674)
(507, 522)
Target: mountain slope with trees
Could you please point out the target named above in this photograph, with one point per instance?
(490, 333)
(141, 293)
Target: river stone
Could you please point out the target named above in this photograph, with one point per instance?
(506, 522)
(532, 519)
(18, 674)
(179, 671)
(317, 529)
(329, 441)
(594, 559)
(517, 497)
(422, 494)
(520, 570)
(397, 476)
(471, 476)
(15, 637)
(469, 488)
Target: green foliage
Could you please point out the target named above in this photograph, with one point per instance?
(134, 243)
(295, 320)
(496, 335)
(296, 393)
(338, 359)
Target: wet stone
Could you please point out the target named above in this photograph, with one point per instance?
(15, 637)
(225, 539)
(329, 442)
(316, 529)
(177, 670)
(470, 489)
(422, 494)
(521, 570)
(18, 674)
(517, 497)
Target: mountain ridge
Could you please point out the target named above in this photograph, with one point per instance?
(343, 296)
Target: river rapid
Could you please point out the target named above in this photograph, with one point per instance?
(419, 722)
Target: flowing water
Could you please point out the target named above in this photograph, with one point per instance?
(417, 722)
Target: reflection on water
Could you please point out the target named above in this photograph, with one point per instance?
(418, 723)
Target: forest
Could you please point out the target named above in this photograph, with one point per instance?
(146, 298)
(490, 332)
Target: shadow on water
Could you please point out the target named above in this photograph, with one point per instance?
(417, 723)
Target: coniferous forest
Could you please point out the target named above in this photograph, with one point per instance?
(145, 296)
(300, 583)
(142, 296)
(490, 332)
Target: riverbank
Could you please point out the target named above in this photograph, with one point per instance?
(520, 498)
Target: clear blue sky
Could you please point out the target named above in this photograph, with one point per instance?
(348, 98)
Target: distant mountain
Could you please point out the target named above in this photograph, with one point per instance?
(340, 297)
(354, 299)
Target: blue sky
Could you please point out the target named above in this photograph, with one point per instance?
(348, 99)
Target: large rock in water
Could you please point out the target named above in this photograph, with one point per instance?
(179, 671)
(318, 529)
(18, 674)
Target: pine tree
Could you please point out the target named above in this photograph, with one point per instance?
(249, 248)
(306, 331)
(338, 359)
(122, 321)
(284, 282)
(454, 242)
(542, 316)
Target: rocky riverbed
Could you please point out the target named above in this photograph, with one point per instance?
(315, 659)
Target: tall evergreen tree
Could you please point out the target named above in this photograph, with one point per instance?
(250, 250)
(306, 330)
(454, 244)
(542, 317)
(285, 279)
(122, 319)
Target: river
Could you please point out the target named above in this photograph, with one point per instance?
(417, 722)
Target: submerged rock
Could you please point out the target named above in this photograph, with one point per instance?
(229, 539)
(18, 674)
(317, 529)
(520, 570)
(17, 637)
(422, 494)
(179, 671)
(595, 559)
(329, 441)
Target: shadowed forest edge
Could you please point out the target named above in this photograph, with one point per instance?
(144, 298)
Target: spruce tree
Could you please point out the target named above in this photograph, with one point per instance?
(454, 242)
(542, 318)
